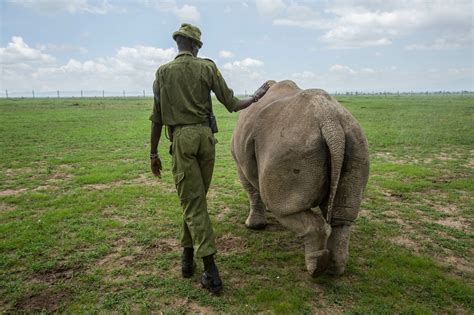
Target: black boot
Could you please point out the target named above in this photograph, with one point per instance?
(187, 262)
(210, 278)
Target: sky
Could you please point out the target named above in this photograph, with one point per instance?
(338, 45)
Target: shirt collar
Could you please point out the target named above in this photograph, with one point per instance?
(183, 53)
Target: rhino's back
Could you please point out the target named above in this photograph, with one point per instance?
(243, 137)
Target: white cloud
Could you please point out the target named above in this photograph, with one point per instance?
(342, 69)
(362, 23)
(70, 6)
(130, 67)
(244, 75)
(443, 43)
(244, 64)
(226, 54)
(17, 51)
(270, 7)
(338, 68)
(301, 16)
(184, 13)
(304, 75)
(64, 48)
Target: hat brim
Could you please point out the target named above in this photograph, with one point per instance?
(187, 36)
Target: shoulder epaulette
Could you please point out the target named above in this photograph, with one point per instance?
(209, 60)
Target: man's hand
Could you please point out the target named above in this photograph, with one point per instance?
(260, 92)
(155, 164)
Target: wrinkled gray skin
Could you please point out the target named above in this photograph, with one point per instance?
(303, 156)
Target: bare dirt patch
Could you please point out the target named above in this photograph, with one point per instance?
(6, 207)
(57, 274)
(406, 242)
(223, 213)
(393, 197)
(12, 192)
(199, 309)
(61, 176)
(164, 245)
(98, 186)
(442, 203)
(459, 263)
(45, 187)
(116, 214)
(390, 157)
(229, 243)
(13, 172)
(46, 301)
(191, 306)
(115, 257)
(141, 180)
(456, 223)
(108, 259)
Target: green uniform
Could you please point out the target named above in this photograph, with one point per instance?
(182, 91)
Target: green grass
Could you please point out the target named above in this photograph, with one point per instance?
(85, 227)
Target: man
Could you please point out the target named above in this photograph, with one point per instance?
(182, 90)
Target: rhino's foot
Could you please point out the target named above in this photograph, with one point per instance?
(338, 245)
(336, 270)
(317, 262)
(256, 221)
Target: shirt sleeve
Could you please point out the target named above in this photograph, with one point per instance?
(224, 94)
(156, 114)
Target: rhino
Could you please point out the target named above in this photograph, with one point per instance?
(303, 157)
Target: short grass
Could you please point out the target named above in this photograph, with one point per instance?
(85, 227)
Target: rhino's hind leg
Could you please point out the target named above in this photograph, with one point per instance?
(346, 209)
(338, 246)
(312, 227)
(256, 219)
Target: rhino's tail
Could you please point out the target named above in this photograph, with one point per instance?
(333, 134)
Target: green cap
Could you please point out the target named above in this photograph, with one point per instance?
(189, 31)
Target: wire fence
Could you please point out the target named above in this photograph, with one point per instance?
(74, 94)
(149, 93)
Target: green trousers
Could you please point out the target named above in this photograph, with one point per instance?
(193, 163)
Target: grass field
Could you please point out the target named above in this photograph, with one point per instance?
(85, 227)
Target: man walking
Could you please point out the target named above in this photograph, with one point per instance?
(182, 101)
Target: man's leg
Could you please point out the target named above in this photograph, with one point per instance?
(210, 279)
(192, 192)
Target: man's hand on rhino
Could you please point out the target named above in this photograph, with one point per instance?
(260, 92)
(155, 164)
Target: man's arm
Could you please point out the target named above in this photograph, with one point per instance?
(226, 95)
(259, 93)
(155, 135)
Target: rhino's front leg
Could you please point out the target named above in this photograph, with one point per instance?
(256, 219)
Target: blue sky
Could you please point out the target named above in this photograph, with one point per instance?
(364, 45)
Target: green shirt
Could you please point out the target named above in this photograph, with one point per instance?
(182, 90)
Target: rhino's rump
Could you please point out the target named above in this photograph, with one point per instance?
(291, 155)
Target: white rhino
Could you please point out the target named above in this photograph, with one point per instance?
(297, 150)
